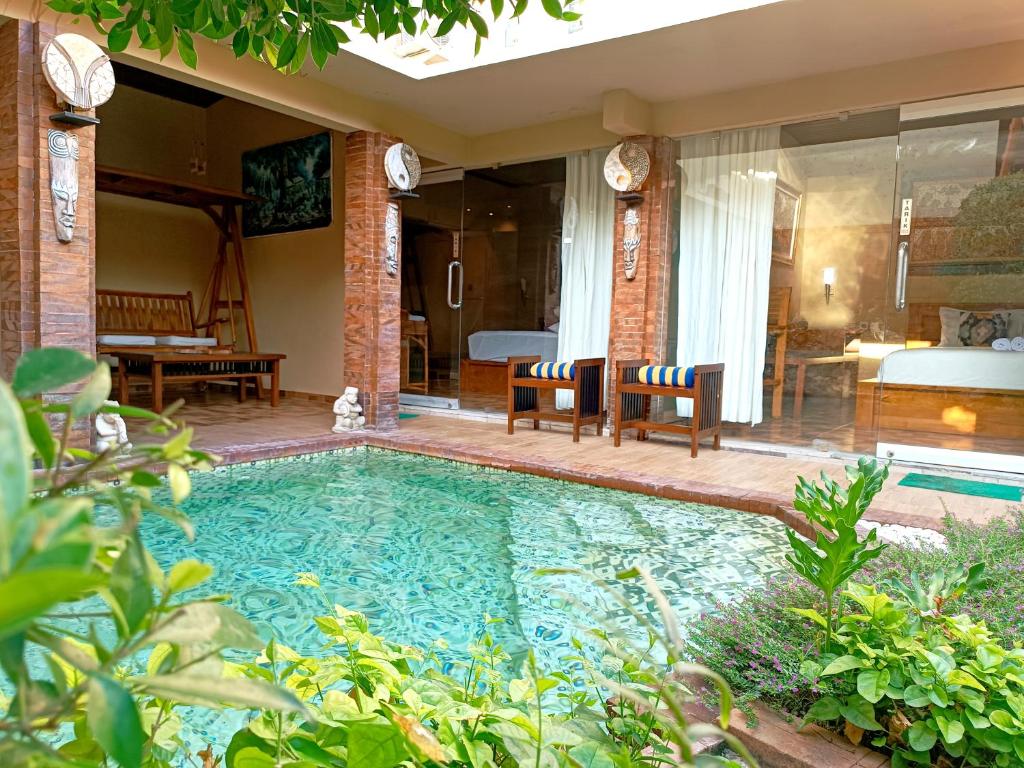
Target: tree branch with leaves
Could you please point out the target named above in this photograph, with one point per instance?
(286, 33)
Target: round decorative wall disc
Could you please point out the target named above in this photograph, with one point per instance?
(627, 167)
(78, 71)
(402, 166)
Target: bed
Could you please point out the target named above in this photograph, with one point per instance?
(944, 389)
(485, 370)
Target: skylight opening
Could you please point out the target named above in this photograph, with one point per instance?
(421, 56)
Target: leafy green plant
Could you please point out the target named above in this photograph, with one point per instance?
(838, 552)
(759, 646)
(997, 543)
(932, 688)
(376, 704)
(98, 644)
(284, 33)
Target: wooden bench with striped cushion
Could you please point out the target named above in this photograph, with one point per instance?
(636, 381)
(585, 378)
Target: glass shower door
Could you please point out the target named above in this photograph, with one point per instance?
(432, 290)
(951, 388)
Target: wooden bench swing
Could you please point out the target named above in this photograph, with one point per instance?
(171, 347)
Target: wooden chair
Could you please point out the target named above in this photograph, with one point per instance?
(587, 386)
(415, 337)
(778, 328)
(633, 403)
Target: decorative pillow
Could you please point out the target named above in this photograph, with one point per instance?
(962, 328)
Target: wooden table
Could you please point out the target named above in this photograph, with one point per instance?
(160, 367)
(801, 364)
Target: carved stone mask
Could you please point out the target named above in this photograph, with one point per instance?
(63, 148)
(630, 241)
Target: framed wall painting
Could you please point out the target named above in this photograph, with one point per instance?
(785, 223)
(293, 183)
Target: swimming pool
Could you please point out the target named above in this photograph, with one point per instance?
(426, 548)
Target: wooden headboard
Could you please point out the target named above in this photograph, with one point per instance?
(151, 314)
(923, 319)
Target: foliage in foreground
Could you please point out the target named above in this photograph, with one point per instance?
(907, 669)
(928, 686)
(101, 649)
(284, 33)
(371, 703)
(998, 545)
(83, 605)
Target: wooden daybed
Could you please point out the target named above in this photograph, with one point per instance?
(889, 408)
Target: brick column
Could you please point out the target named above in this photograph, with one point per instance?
(639, 321)
(47, 288)
(372, 296)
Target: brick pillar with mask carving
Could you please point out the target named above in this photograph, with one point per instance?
(47, 288)
(372, 295)
(640, 307)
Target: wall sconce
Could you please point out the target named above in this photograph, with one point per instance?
(828, 277)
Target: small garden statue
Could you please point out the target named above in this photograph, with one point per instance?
(111, 432)
(348, 412)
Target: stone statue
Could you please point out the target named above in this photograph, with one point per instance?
(630, 241)
(111, 432)
(63, 148)
(392, 226)
(348, 412)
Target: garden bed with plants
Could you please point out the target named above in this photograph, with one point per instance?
(916, 652)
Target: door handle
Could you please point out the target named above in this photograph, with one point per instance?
(451, 271)
(902, 262)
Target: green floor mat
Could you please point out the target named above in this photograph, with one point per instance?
(408, 415)
(966, 487)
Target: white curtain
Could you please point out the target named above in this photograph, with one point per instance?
(725, 243)
(588, 224)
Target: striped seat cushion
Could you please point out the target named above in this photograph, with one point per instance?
(666, 376)
(560, 371)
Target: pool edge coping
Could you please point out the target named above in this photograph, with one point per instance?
(773, 505)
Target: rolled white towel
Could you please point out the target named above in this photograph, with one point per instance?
(1017, 343)
(1001, 345)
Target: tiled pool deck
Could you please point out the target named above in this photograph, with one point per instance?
(738, 479)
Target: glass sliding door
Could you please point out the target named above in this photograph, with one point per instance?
(433, 280)
(783, 247)
(950, 389)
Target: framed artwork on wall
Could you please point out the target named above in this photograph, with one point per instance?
(785, 222)
(293, 183)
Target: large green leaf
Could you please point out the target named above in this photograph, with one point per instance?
(920, 737)
(15, 472)
(24, 596)
(214, 691)
(860, 713)
(208, 622)
(129, 584)
(114, 721)
(871, 684)
(50, 368)
(95, 392)
(375, 745)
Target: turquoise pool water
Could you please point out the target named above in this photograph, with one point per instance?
(427, 547)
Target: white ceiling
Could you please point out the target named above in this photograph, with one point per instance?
(770, 43)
